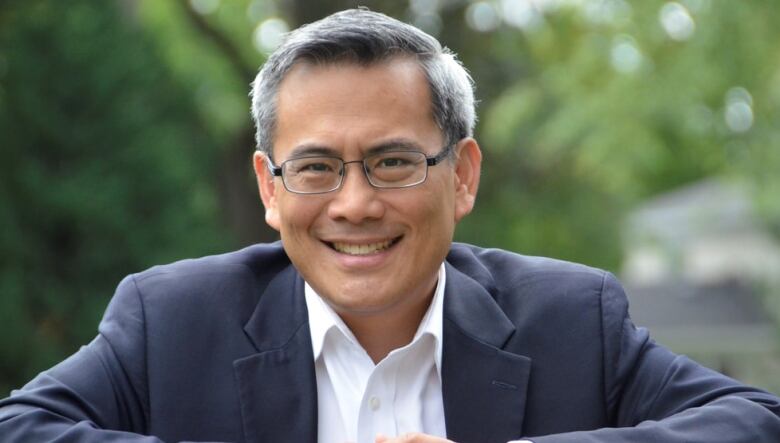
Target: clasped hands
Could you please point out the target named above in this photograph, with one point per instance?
(412, 437)
(416, 437)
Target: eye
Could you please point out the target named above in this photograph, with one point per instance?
(313, 166)
(392, 162)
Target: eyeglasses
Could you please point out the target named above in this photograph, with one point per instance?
(389, 169)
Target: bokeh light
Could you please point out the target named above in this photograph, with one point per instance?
(205, 6)
(738, 112)
(677, 21)
(606, 11)
(522, 14)
(425, 15)
(483, 17)
(269, 34)
(625, 56)
(424, 7)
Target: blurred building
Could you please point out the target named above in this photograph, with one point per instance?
(702, 274)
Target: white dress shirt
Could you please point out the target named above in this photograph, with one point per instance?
(357, 399)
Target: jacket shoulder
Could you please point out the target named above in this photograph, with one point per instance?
(258, 259)
(232, 279)
(500, 270)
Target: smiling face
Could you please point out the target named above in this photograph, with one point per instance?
(366, 251)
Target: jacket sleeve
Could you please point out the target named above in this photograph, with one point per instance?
(100, 387)
(654, 395)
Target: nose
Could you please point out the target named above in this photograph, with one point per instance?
(356, 201)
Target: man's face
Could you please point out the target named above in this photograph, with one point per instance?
(366, 251)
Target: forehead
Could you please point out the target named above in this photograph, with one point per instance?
(346, 106)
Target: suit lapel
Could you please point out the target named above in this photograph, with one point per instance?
(483, 385)
(277, 385)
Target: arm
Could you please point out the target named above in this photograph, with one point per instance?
(655, 395)
(101, 387)
(651, 394)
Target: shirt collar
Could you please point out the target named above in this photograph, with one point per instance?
(322, 318)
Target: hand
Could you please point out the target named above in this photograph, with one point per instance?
(412, 437)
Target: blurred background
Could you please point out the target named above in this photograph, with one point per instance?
(640, 137)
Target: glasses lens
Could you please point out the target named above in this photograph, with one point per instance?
(312, 174)
(396, 169)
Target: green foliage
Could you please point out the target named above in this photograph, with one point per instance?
(573, 139)
(219, 93)
(105, 171)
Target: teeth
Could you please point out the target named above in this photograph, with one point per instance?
(369, 248)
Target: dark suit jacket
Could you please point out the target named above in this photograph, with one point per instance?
(219, 349)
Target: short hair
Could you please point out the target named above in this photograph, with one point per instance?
(365, 37)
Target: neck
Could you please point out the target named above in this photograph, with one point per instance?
(381, 333)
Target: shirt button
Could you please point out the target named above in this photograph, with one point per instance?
(375, 403)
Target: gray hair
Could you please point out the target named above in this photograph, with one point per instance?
(365, 37)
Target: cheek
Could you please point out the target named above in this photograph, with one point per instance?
(441, 203)
(434, 214)
(297, 214)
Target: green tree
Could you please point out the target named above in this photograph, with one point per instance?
(593, 106)
(106, 170)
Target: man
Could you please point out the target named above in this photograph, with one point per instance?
(366, 323)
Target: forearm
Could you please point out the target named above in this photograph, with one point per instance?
(655, 395)
(75, 401)
(24, 423)
(731, 419)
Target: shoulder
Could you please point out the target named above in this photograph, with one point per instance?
(230, 281)
(560, 309)
(192, 302)
(543, 287)
(257, 262)
(499, 268)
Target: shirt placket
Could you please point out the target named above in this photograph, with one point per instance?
(376, 410)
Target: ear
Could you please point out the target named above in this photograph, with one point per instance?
(467, 170)
(267, 186)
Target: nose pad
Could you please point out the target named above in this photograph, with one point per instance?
(356, 200)
(362, 169)
(361, 175)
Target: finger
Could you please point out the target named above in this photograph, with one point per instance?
(416, 437)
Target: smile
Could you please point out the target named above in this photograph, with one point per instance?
(363, 249)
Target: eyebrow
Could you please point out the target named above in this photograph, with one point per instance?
(308, 150)
(397, 144)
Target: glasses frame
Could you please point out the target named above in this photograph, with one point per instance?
(433, 160)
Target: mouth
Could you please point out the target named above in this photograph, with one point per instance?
(363, 248)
